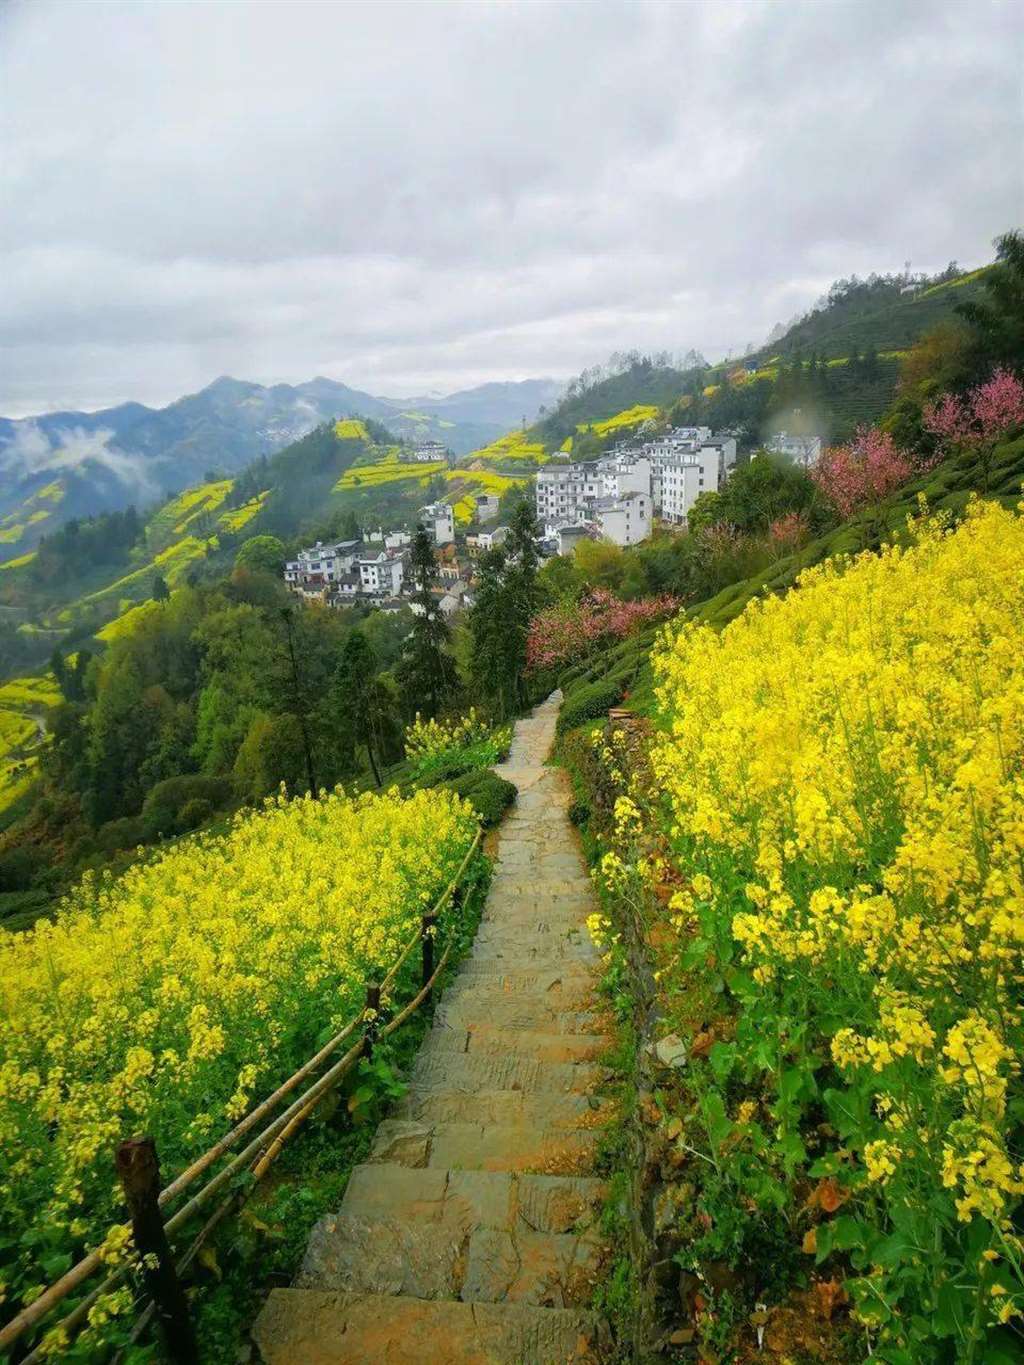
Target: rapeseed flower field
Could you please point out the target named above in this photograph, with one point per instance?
(842, 778)
(170, 1000)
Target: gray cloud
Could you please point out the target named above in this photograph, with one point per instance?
(31, 450)
(429, 195)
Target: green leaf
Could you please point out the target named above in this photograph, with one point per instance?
(792, 1151)
(716, 1120)
(722, 1058)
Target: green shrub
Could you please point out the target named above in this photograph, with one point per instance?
(193, 813)
(16, 868)
(168, 800)
(488, 794)
(588, 702)
(128, 832)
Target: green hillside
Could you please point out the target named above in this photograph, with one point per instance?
(882, 314)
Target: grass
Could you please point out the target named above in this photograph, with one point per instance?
(125, 623)
(171, 563)
(175, 517)
(372, 476)
(622, 421)
(16, 777)
(23, 693)
(516, 445)
(351, 429)
(20, 562)
(470, 481)
(237, 517)
(16, 731)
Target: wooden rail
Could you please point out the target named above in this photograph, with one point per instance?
(162, 1283)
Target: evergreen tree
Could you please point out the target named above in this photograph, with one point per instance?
(521, 592)
(59, 670)
(161, 592)
(489, 660)
(508, 594)
(118, 740)
(426, 672)
(361, 706)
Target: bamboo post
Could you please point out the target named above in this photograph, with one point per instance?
(372, 1022)
(428, 927)
(139, 1173)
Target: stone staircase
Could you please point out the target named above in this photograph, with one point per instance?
(470, 1236)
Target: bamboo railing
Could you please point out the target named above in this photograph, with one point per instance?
(138, 1167)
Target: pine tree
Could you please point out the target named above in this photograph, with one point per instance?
(507, 597)
(361, 706)
(489, 656)
(426, 672)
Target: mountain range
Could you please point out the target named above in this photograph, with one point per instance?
(65, 464)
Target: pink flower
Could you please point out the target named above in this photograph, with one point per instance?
(569, 630)
(863, 472)
(987, 411)
(789, 529)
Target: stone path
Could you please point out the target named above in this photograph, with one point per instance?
(469, 1237)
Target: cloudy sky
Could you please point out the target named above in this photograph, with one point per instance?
(426, 196)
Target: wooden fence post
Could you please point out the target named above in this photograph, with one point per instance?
(428, 928)
(372, 1027)
(139, 1172)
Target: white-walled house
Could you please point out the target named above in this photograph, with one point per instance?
(802, 450)
(626, 521)
(564, 492)
(681, 486)
(487, 505)
(439, 519)
(486, 540)
(322, 564)
(381, 576)
(427, 452)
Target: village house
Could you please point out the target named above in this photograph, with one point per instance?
(321, 565)
(625, 521)
(342, 573)
(802, 450)
(439, 519)
(671, 471)
(478, 542)
(429, 452)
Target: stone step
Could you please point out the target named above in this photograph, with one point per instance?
(569, 968)
(477, 992)
(485, 1147)
(531, 930)
(549, 1203)
(445, 1069)
(554, 1113)
(481, 1236)
(547, 922)
(528, 885)
(318, 1327)
(546, 949)
(545, 1047)
(517, 1012)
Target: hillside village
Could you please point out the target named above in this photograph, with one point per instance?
(644, 483)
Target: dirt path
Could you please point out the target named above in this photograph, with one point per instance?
(469, 1237)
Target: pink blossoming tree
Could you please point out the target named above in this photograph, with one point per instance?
(569, 630)
(976, 422)
(862, 473)
(787, 532)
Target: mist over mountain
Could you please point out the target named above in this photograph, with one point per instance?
(134, 453)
